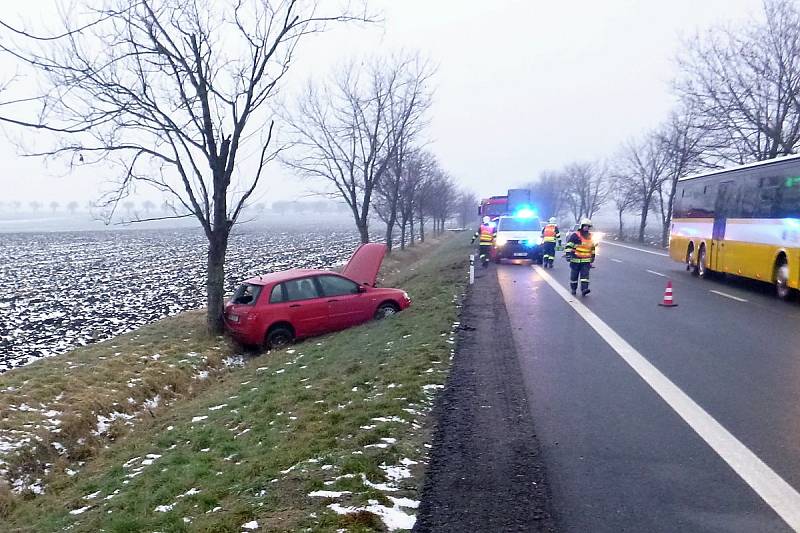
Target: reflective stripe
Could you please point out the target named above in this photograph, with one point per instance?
(585, 249)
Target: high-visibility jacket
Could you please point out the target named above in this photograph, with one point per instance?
(580, 248)
(485, 234)
(550, 233)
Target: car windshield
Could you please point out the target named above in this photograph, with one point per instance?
(519, 224)
(246, 294)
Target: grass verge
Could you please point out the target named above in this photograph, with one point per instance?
(165, 429)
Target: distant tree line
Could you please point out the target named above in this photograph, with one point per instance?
(738, 91)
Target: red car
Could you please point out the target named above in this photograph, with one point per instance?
(275, 309)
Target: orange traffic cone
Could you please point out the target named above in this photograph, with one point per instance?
(668, 302)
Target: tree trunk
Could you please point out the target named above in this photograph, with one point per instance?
(403, 223)
(389, 231)
(412, 235)
(421, 229)
(363, 229)
(215, 280)
(621, 232)
(643, 221)
(668, 219)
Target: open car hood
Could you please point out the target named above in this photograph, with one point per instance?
(364, 264)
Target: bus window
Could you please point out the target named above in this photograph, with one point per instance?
(767, 200)
(790, 199)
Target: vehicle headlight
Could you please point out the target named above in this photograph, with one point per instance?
(500, 241)
(599, 236)
(534, 242)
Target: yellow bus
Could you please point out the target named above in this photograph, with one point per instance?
(743, 221)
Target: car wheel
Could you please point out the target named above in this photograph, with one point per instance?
(782, 281)
(386, 309)
(279, 337)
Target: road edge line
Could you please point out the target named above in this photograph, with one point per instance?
(773, 489)
(662, 254)
(726, 295)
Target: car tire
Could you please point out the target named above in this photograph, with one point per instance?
(279, 337)
(385, 310)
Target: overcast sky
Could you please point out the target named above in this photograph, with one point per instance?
(522, 85)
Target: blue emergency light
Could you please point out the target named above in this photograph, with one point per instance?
(525, 212)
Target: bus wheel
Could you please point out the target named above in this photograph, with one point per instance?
(702, 269)
(782, 280)
(689, 259)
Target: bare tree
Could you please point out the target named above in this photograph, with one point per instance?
(15, 205)
(548, 193)
(645, 165)
(54, 206)
(72, 207)
(421, 165)
(35, 206)
(408, 103)
(623, 195)
(440, 201)
(171, 92)
(744, 83)
(681, 141)
(148, 206)
(350, 130)
(466, 208)
(586, 188)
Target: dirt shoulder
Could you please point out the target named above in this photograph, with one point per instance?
(485, 471)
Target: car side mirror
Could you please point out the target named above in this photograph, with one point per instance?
(362, 288)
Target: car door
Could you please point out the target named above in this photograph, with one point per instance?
(307, 310)
(347, 305)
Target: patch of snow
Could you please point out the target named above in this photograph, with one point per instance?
(218, 407)
(250, 525)
(199, 418)
(394, 518)
(164, 508)
(81, 510)
(328, 494)
(92, 496)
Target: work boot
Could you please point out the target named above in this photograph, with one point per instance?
(574, 292)
(584, 292)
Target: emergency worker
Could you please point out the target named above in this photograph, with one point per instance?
(485, 236)
(550, 236)
(580, 252)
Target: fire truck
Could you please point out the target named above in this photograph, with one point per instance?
(507, 205)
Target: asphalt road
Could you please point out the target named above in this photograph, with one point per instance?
(707, 440)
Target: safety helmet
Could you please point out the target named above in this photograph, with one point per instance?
(586, 222)
(486, 220)
(552, 220)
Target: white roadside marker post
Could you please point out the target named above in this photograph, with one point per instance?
(471, 269)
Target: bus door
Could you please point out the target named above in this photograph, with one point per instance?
(721, 208)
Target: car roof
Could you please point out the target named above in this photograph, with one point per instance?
(286, 275)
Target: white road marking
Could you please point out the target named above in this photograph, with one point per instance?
(656, 273)
(616, 260)
(732, 297)
(634, 248)
(776, 492)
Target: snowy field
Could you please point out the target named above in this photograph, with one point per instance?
(68, 289)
